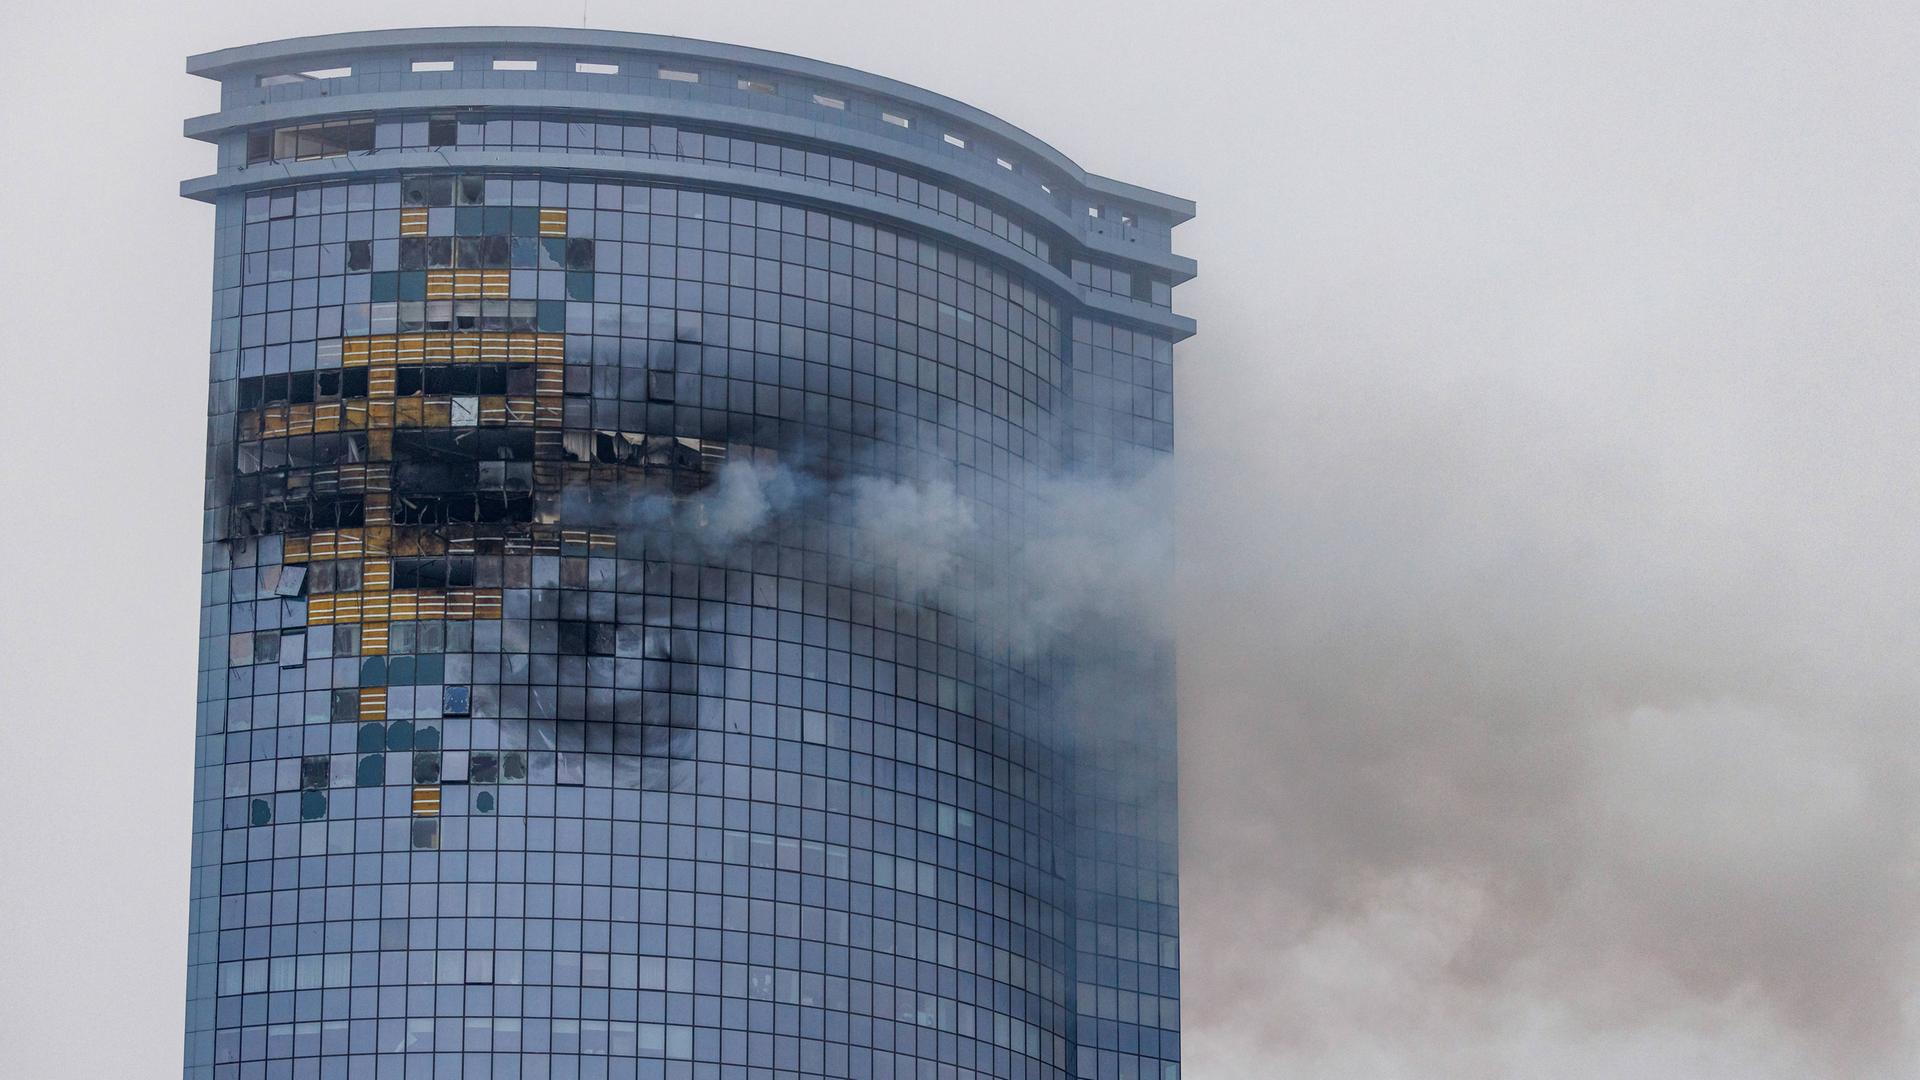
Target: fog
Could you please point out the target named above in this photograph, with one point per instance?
(1545, 495)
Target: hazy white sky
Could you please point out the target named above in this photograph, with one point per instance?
(1549, 514)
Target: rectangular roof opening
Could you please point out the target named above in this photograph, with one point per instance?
(291, 77)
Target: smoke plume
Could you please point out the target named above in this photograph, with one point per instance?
(1079, 553)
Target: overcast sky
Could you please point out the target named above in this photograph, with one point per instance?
(1548, 508)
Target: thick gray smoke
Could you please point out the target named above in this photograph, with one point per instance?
(1550, 573)
(1575, 768)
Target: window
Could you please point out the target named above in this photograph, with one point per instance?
(479, 967)
(585, 68)
(896, 120)
(672, 75)
(955, 140)
(660, 386)
(309, 141)
(432, 65)
(516, 65)
(753, 86)
(305, 76)
(829, 102)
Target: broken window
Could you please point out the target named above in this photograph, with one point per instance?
(660, 386)
(293, 648)
(299, 512)
(305, 142)
(315, 772)
(495, 508)
(586, 638)
(301, 387)
(1142, 288)
(479, 444)
(432, 573)
(626, 448)
(431, 190)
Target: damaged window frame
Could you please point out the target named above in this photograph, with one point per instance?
(311, 142)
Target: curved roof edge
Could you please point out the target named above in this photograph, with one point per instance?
(209, 127)
(1130, 312)
(221, 62)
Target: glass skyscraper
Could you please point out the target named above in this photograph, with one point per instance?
(515, 760)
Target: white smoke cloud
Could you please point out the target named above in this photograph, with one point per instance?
(1080, 550)
(922, 530)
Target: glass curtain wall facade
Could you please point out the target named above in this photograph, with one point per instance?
(491, 783)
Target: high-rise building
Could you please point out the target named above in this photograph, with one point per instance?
(561, 715)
